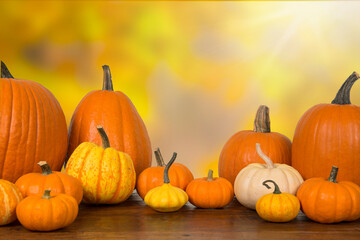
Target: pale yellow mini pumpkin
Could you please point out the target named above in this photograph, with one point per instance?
(248, 186)
(166, 198)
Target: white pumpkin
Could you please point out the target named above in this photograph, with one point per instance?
(248, 183)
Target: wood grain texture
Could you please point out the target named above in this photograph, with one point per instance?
(133, 219)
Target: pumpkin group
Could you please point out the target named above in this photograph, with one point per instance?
(248, 186)
(326, 135)
(116, 113)
(57, 182)
(33, 127)
(47, 213)
(210, 192)
(107, 175)
(179, 175)
(329, 201)
(277, 206)
(239, 151)
(10, 196)
(166, 198)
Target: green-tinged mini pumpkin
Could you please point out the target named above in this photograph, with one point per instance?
(277, 206)
(180, 176)
(327, 135)
(47, 213)
(33, 127)
(107, 175)
(239, 151)
(329, 201)
(10, 196)
(210, 192)
(166, 198)
(57, 182)
(248, 186)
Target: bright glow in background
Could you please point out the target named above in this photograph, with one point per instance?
(196, 71)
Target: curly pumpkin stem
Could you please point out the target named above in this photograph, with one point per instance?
(210, 176)
(262, 120)
(107, 81)
(5, 73)
(45, 168)
(267, 160)
(47, 194)
(159, 159)
(343, 95)
(168, 165)
(104, 137)
(276, 190)
(333, 174)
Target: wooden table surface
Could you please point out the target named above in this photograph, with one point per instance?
(133, 219)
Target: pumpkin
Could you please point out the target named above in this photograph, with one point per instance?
(166, 198)
(277, 206)
(47, 213)
(116, 113)
(326, 135)
(33, 127)
(57, 182)
(239, 150)
(248, 186)
(107, 175)
(180, 176)
(10, 196)
(210, 192)
(329, 201)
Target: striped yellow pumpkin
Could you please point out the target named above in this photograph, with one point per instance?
(10, 196)
(107, 175)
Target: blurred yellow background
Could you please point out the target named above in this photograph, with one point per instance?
(196, 71)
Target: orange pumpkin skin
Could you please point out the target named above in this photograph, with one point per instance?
(57, 182)
(325, 201)
(326, 135)
(44, 213)
(152, 177)
(209, 192)
(33, 128)
(239, 151)
(116, 113)
(10, 196)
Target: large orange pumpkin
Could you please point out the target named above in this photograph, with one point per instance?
(116, 113)
(180, 176)
(33, 127)
(328, 134)
(239, 151)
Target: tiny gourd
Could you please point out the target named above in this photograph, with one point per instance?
(166, 198)
(248, 186)
(47, 213)
(210, 192)
(329, 201)
(57, 182)
(10, 196)
(179, 175)
(107, 175)
(277, 206)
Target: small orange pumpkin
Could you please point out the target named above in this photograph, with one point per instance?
(329, 201)
(180, 176)
(10, 196)
(209, 192)
(57, 182)
(47, 213)
(239, 151)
